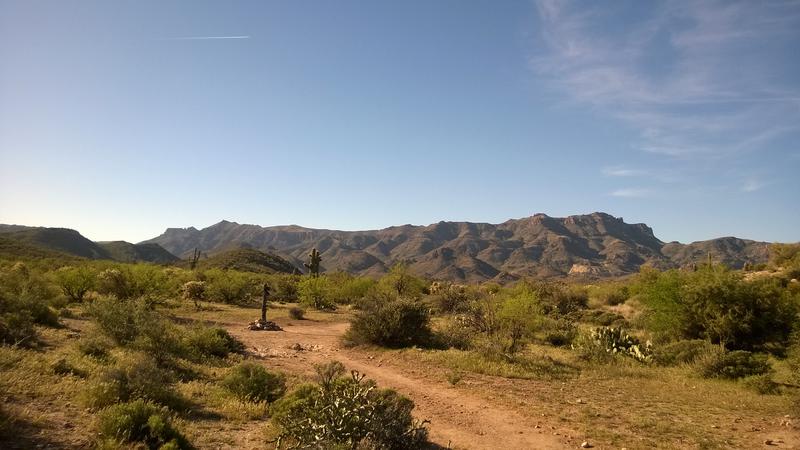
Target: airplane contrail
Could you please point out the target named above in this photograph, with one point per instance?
(204, 38)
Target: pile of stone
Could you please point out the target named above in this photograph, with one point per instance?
(264, 325)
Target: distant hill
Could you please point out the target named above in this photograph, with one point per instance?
(591, 245)
(14, 249)
(54, 242)
(249, 260)
(126, 252)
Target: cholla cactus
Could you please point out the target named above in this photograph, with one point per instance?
(195, 291)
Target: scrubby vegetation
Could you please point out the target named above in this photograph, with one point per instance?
(146, 350)
(346, 412)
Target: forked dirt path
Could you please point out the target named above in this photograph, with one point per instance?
(458, 419)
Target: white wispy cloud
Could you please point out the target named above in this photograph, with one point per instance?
(692, 76)
(623, 172)
(752, 185)
(632, 193)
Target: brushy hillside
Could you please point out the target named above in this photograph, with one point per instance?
(248, 260)
(126, 252)
(40, 242)
(62, 240)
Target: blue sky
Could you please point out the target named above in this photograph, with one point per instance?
(122, 118)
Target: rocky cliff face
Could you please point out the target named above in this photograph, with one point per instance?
(596, 244)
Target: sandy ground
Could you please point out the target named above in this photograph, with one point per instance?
(459, 419)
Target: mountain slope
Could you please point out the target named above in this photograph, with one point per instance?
(126, 252)
(249, 260)
(54, 242)
(594, 244)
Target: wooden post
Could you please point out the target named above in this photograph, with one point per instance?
(264, 304)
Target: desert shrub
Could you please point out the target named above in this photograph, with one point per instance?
(75, 282)
(680, 352)
(793, 356)
(25, 298)
(602, 344)
(347, 412)
(229, 286)
(133, 281)
(400, 282)
(455, 334)
(95, 345)
(63, 367)
(719, 363)
(346, 289)
(285, 287)
(397, 323)
(252, 382)
(296, 313)
(600, 317)
(715, 303)
(451, 298)
(204, 342)
(519, 317)
(555, 298)
(784, 255)
(611, 293)
(194, 291)
(141, 421)
(133, 377)
(315, 292)
(761, 384)
(560, 332)
(123, 320)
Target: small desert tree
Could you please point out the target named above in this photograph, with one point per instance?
(75, 282)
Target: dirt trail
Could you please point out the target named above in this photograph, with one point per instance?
(459, 419)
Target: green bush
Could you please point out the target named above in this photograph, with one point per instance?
(519, 316)
(715, 303)
(133, 377)
(95, 345)
(395, 324)
(611, 293)
(346, 289)
(285, 287)
(296, 313)
(25, 299)
(347, 412)
(125, 321)
(252, 382)
(205, 342)
(560, 332)
(451, 298)
(229, 286)
(400, 282)
(141, 421)
(75, 282)
(455, 334)
(761, 384)
(681, 352)
(133, 281)
(315, 292)
(732, 364)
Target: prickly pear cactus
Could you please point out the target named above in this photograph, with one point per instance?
(616, 341)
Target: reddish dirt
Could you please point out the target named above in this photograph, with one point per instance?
(459, 419)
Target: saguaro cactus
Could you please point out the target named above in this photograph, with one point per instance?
(195, 258)
(313, 262)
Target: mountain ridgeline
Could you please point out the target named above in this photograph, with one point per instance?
(64, 242)
(594, 245)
